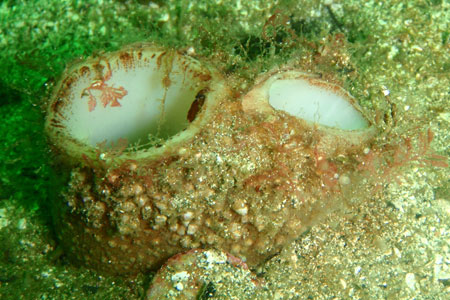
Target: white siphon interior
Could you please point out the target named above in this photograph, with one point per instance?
(148, 113)
(302, 99)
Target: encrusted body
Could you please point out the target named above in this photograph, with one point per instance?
(244, 184)
(239, 178)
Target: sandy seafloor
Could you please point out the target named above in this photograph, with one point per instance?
(394, 244)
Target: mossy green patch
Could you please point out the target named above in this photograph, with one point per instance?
(25, 172)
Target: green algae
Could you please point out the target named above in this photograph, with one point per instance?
(25, 164)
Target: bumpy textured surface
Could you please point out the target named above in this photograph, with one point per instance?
(243, 185)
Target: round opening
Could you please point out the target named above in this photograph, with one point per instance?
(142, 103)
(144, 97)
(316, 101)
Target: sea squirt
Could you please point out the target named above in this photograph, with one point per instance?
(162, 159)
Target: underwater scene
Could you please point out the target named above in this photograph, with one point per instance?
(224, 149)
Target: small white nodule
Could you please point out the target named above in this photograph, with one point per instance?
(315, 103)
